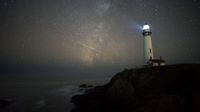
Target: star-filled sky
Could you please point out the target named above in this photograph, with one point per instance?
(95, 36)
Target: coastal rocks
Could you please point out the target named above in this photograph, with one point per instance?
(6, 102)
(173, 88)
(84, 88)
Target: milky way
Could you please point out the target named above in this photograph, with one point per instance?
(97, 35)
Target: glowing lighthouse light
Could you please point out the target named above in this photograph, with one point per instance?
(146, 27)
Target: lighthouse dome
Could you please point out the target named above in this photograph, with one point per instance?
(146, 27)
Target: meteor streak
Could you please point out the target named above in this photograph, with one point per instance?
(86, 46)
(89, 47)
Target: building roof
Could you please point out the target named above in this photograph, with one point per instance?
(157, 60)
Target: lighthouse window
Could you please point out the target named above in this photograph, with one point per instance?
(150, 50)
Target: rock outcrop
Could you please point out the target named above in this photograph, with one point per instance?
(173, 88)
(5, 102)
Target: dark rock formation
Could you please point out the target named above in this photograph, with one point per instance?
(85, 86)
(174, 88)
(6, 102)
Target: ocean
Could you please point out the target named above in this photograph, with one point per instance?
(42, 94)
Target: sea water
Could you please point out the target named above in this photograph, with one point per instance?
(42, 94)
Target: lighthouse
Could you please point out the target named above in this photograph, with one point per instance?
(148, 48)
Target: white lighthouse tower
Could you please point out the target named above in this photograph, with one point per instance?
(148, 48)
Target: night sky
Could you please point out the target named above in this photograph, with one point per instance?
(95, 36)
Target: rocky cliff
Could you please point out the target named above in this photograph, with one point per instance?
(172, 88)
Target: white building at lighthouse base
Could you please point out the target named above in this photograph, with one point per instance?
(156, 62)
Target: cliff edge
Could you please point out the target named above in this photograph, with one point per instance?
(172, 88)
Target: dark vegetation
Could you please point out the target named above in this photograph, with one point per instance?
(172, 88)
